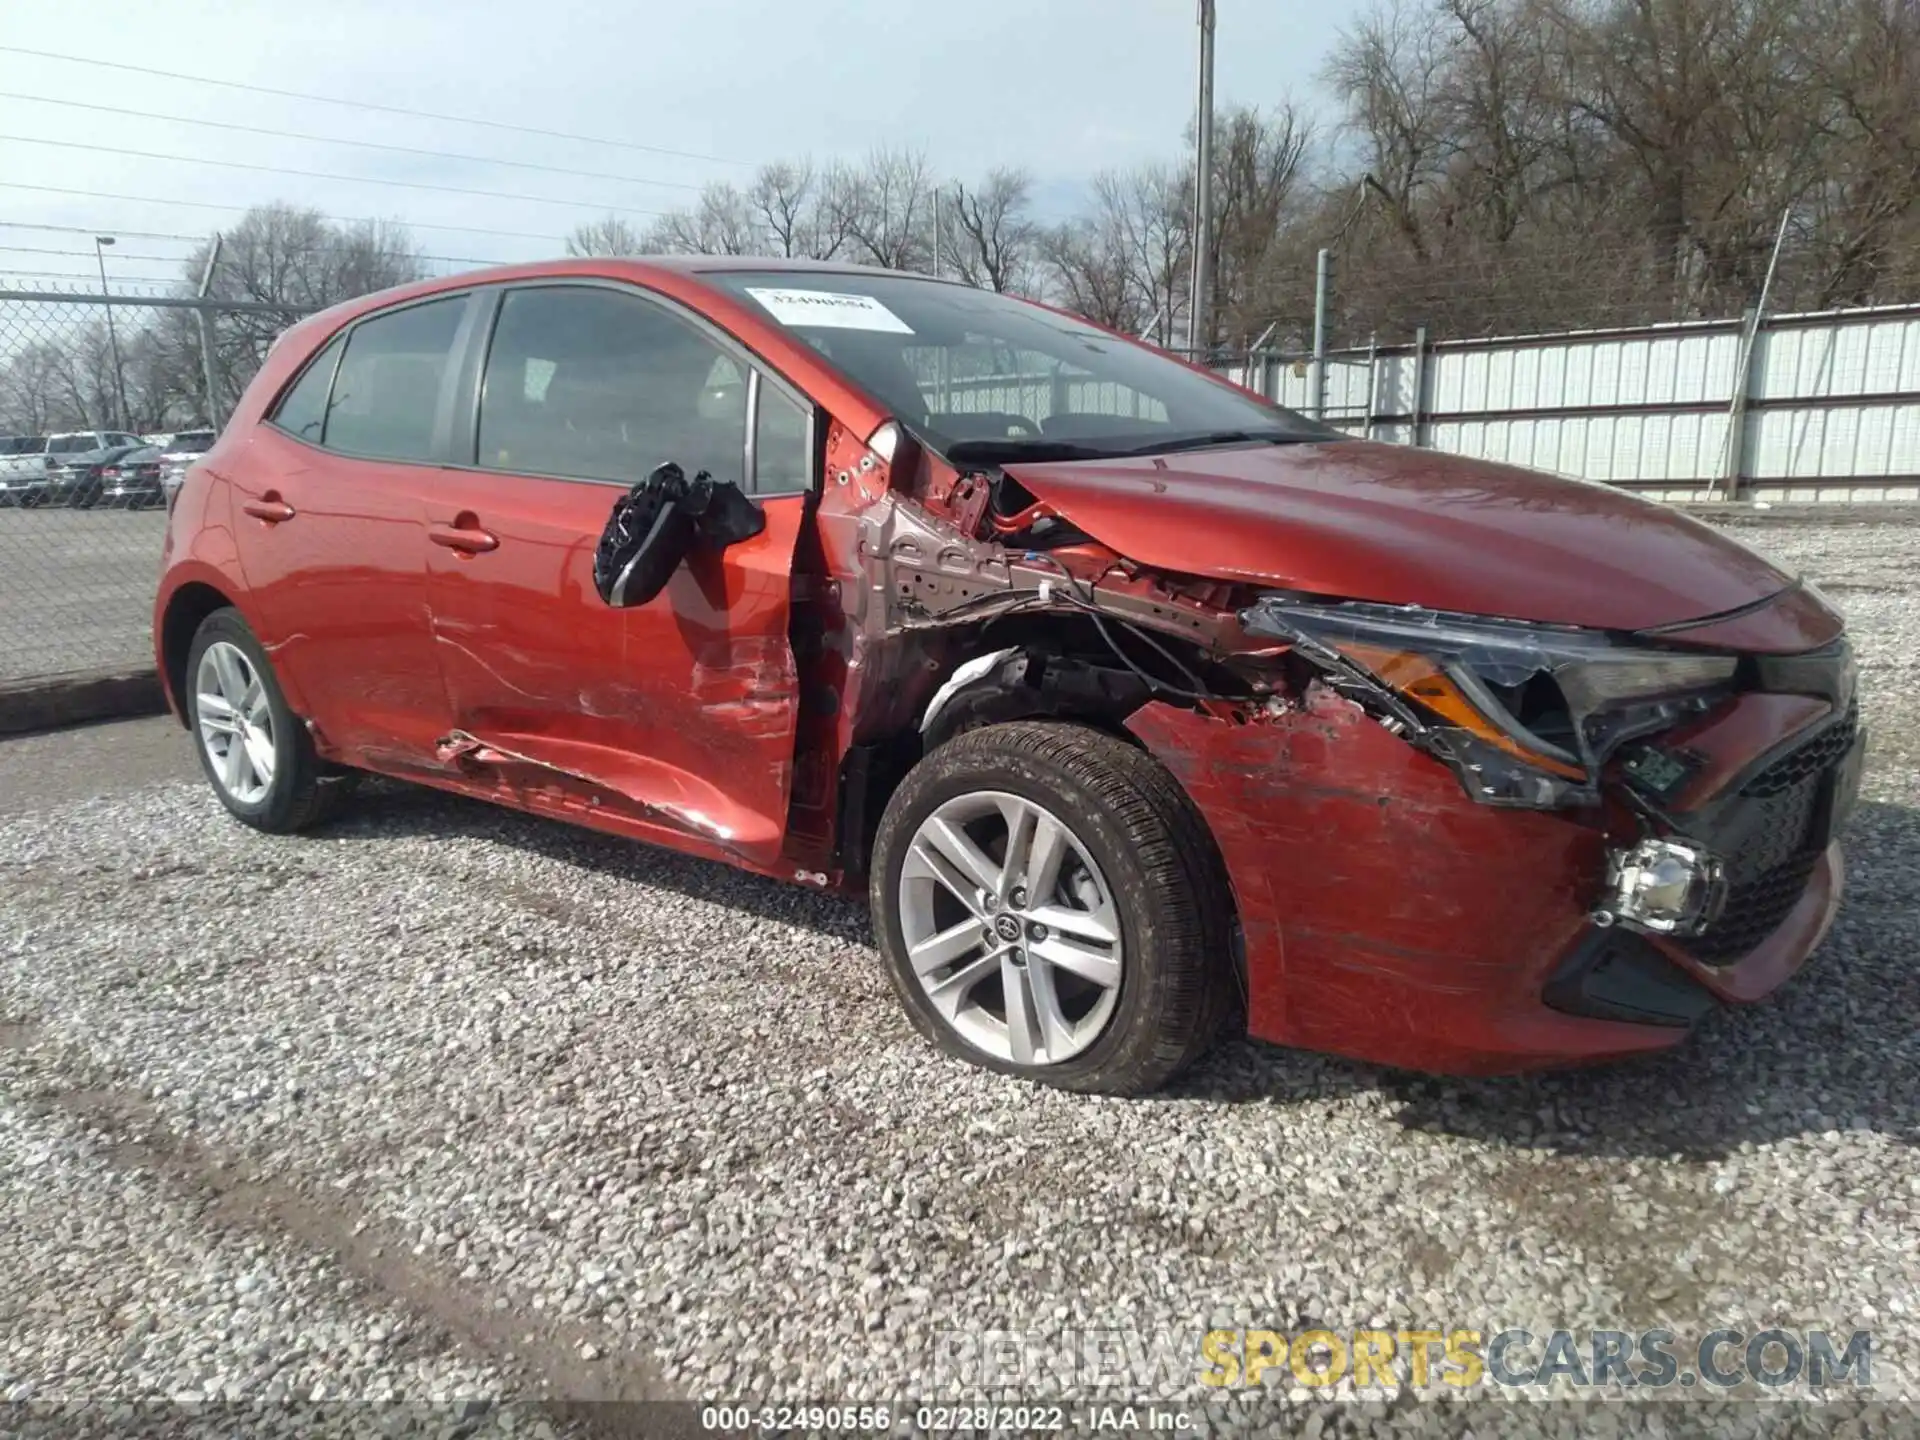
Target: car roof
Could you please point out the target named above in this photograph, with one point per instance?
(636, 267)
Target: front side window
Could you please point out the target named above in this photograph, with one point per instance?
(302, 411)
(983, 376)
(388, 385)
(589, 383)
(783, 459)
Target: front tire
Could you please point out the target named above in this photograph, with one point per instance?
(1050, 905)
(255, 751)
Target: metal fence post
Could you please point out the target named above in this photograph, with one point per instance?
(206, 337)
(1373, 382)
(1419, 385)
(1750, 329)
(1322, 290)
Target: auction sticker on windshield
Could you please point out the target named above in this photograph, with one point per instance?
(829, 310)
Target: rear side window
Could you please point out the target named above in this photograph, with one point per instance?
(590, 383)
(303, 409)
(388, 385)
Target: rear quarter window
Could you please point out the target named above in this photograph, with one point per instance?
(302, 411)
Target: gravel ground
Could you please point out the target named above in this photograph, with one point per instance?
(79, 589)
(445, 1102)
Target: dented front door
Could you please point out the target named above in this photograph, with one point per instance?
(677, 715)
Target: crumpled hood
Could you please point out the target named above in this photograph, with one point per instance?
(1401, 526)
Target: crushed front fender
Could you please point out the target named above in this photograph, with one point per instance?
(1385, 915)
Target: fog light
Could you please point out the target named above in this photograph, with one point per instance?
(1666, 887)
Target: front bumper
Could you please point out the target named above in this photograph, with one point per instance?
(1389, 918)
(131, 491)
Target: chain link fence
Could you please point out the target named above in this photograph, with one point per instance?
(103, 403)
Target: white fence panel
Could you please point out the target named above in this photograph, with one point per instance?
(1832, 407)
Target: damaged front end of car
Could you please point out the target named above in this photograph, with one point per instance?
(1529, 716)
(1454, 842)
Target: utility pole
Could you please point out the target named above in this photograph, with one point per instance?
(939, 269)
(1200, 322)
(100, 242)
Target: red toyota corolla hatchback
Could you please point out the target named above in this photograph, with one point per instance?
(1139, 706)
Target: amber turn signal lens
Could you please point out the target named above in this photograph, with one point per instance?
(1418, 678)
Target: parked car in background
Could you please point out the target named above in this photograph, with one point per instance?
(23, 469)
(73, 473)
(71, 454)
(131, 482)
(1138, 707)
(180, 452)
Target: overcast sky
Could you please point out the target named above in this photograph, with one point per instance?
(1062, 87)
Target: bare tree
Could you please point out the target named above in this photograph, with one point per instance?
(1389, 72)
(285, 256)
(1088, 268)
(722, 221)
(609, 236)
(884, 206)
(990, 241)
(797, 222)
(1259, 159)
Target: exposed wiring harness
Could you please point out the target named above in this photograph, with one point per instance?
(1084, 596)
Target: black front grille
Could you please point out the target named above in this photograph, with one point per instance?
(1755, 909)
(1809, 763)
(1771, 835)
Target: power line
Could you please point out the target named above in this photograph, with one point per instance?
(242, 209)
(368, 105)
(363, 144)
(97, 230)
(78, 275)
(117, 256)
(324, 175)
(87, 254)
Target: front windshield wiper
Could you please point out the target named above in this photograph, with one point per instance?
(1033, 448)
(989, 452)
(1221, 437)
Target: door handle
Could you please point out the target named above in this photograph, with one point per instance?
(269, 507)
(464, 535)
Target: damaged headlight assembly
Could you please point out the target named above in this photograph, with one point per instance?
(1525, 714)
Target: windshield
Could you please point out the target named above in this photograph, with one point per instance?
(22, 444)
(983, 377)
(72, 444)
(191, 442)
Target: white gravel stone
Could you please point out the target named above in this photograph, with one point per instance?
(547, 1098)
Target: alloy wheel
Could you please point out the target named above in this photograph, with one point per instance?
(235, 719)
(1011, 928)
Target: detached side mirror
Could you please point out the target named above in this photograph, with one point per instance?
(658, 523)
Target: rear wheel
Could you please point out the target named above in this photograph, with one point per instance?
(1050, 905)
(255, 751)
